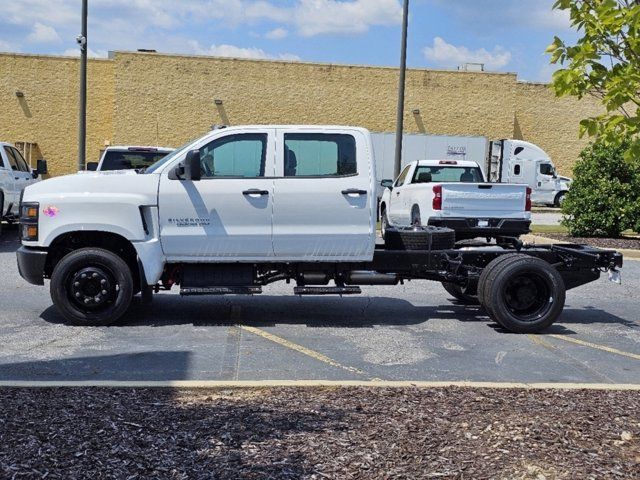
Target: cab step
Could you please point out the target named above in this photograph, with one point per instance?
(327, 290)
(233, 290)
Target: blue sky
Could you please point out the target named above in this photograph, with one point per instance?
(506, 35)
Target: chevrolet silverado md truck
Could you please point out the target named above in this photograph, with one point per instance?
(244, 207)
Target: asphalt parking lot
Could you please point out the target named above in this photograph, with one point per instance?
(413, 332)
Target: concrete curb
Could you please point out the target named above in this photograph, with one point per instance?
(533, 238)
(213, 384)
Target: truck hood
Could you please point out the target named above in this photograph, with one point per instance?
(138, 189)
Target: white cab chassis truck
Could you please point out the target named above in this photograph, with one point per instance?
(244, 207)
(15, 176)
(454, 194)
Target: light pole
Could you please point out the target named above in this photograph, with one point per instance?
(401, 88)
(82, 116)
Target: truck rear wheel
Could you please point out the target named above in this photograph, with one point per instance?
(92, 286)
(524, 294)
(456, 292)
(384, 223)
(420, 238)
(484, 275)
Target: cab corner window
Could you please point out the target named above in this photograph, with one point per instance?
(319, 155)
(403, 175)
(241, 155)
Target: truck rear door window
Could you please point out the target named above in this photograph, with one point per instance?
(319, 155)
(241, 155)
(450, 174)
(129, 160)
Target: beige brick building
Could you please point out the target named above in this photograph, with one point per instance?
(156, 99)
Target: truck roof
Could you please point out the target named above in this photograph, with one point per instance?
(448, 162)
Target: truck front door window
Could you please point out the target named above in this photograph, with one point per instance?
(235, 156)
(22, 163)
(12, 159)
(319, 155)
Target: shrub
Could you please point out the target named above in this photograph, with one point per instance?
(604, 199)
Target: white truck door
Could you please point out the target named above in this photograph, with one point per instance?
(227, 214)
(544, 190)
(397, 199)
(18, 178)
(324, 201)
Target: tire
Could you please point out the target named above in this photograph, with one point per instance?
(559, 199)
(384, 222)
(1, 210)
(524, 294)
(415, 216)
(420, 238)
(75, 290)
(484, 275)
(456, 292)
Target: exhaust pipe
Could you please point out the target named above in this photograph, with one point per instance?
(358, 277)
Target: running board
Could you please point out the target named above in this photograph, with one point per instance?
(192, 291)
(327, 290)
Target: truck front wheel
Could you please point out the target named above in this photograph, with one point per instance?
(92, 286)
(523, 294)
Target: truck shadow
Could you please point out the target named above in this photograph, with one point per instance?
(9, 238)
(314, 312)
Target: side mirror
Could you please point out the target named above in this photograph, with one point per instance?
(42, 168)
(387, 183)
(192, 167)
(92, 166)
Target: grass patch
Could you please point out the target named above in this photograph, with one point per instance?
(548, 229)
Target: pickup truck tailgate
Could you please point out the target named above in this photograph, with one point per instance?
(483, 200)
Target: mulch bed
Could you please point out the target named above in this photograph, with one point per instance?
(340, 433)
(624, 242)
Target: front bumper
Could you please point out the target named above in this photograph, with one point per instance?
(466, 228)
(31, 264)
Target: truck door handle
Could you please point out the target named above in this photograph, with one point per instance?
(256, 191)
(539, 184)
(354, 191)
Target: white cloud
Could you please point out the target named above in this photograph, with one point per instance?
(318, 17)
(224, 50)
(43, 34)
(446, 55)
(276, 34)
(6, 47)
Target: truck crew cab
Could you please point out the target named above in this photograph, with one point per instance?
(244, 207)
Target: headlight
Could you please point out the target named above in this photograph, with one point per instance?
(29, 213)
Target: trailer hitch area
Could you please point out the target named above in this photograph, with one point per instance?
(615, 276)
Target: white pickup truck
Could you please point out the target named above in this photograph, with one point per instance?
(454, 194)
(244, 207)
(15, 176)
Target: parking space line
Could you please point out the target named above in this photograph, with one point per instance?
(569, 358)
(304, 350)
(596, 346)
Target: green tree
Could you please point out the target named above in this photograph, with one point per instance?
(605, 63)
(604, 199)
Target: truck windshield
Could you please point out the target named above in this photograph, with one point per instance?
(451, 174)
(128, 160)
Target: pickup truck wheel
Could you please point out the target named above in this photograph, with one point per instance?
(559, 199)
(456, 292)
(384, 223)
(525, 294)
(1, 210)
(92, 286)
(420, 238)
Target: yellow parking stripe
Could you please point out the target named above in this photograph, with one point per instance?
(304, 350)
(604, 348)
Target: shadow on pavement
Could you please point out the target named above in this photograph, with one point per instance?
(9, 239)
(153, 365)
(314, 312)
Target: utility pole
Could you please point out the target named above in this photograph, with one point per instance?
(82, 117)
(401, 88)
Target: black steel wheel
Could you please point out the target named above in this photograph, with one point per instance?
(524, 294)
(92, 286)
(456, 292)
(488, 270)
